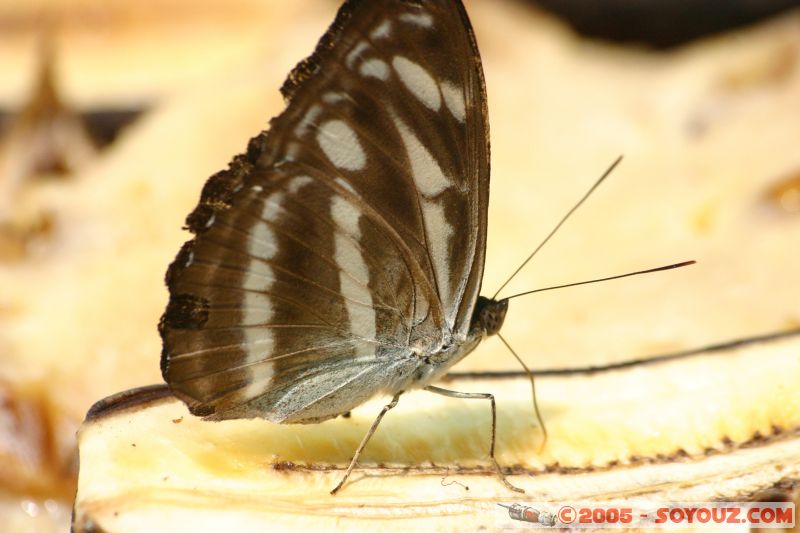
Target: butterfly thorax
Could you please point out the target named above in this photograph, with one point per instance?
(487, 319)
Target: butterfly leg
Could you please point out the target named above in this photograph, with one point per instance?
(480, 396)
(386, 408)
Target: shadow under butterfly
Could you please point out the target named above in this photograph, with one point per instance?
(341, 256)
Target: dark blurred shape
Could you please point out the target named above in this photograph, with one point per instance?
(48, 136)
(45, 136)
(35, 462)
(661, 23)
(104, 125)
(45, 139)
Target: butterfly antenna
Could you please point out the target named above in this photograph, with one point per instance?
(533, 392)
(629, 274)
(553, 232)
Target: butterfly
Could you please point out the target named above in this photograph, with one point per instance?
(341, 256)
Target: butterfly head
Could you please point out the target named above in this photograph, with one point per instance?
(489, 315)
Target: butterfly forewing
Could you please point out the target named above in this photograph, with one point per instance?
(350, 237)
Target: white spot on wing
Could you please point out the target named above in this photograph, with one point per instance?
(262, 243)
(296, 183)
(272, 206)
(375, 68)
(438, 231)
(259, 276)
(259, 345)
(454, 99)
(424, 20)
(353, 54)
(341, 145)
(257, 306)
(309, 119)
(427, 173)
(345, 216)
(333, 98)
(259, 378)
(354, 273)
(418, 81)
(383, 30)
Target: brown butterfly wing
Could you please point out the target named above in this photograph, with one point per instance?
(349, 239)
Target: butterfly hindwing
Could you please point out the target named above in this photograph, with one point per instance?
(290, 287)
(350, 235)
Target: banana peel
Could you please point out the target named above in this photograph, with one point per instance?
(715, 424)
